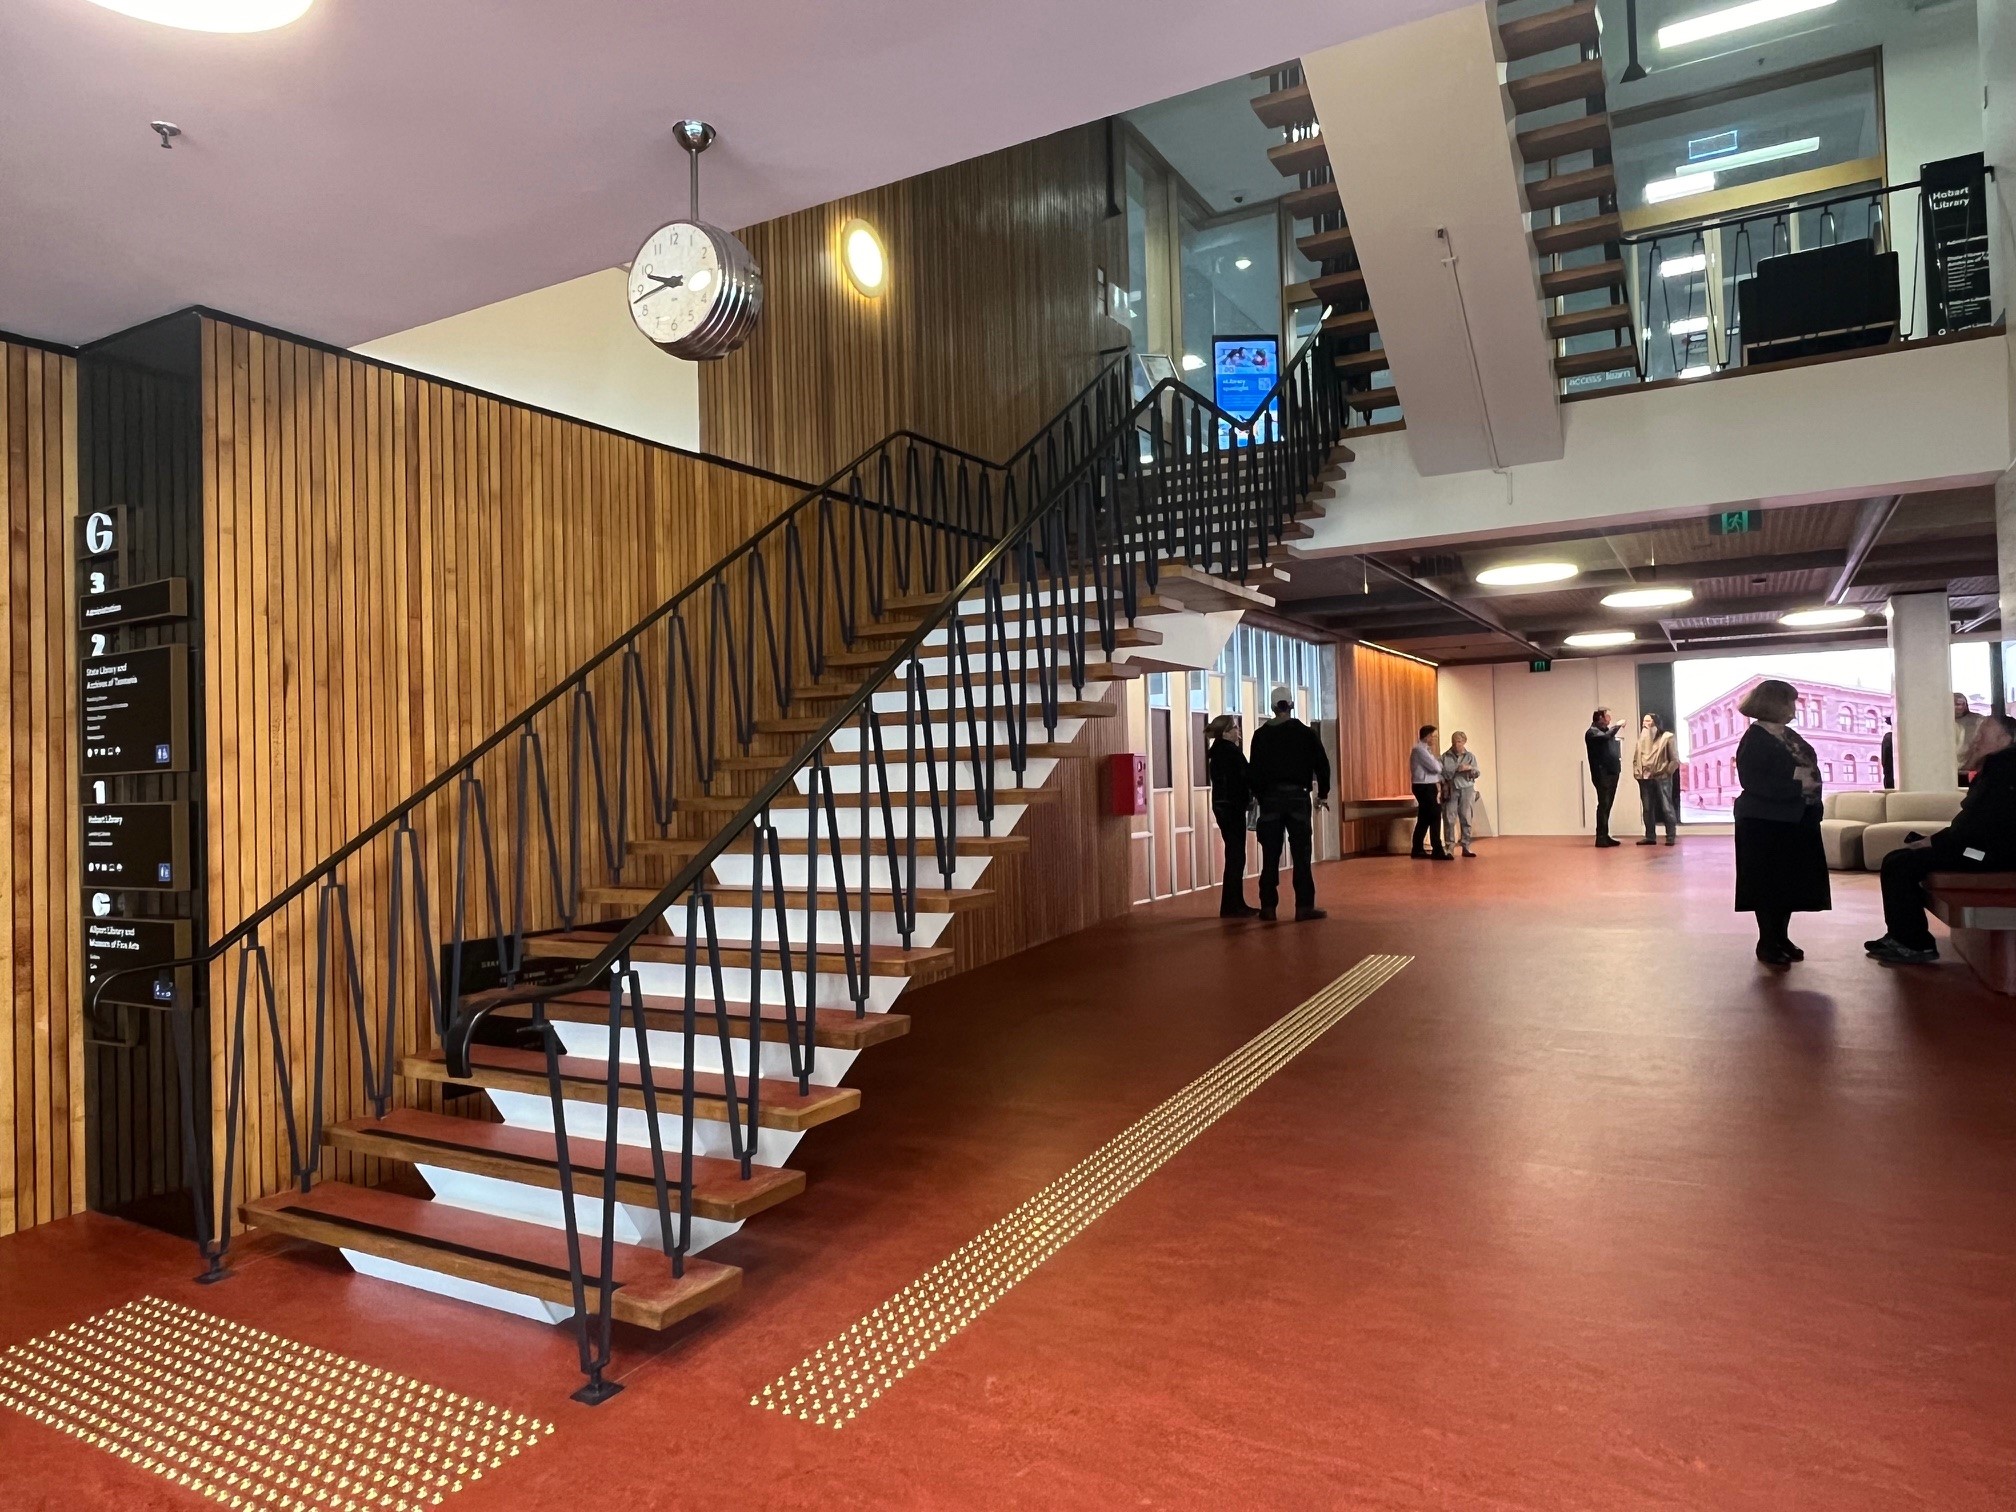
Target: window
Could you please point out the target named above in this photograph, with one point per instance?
(1827, 770)
(1845, 720)
(1231, 280)
(1868, 721)
(1849, 769)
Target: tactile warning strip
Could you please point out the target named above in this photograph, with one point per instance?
(250, 1419)
(843, 1376)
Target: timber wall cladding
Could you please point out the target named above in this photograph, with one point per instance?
(1382, 702)
(988, 325)
(42, 1164)
(397, 566)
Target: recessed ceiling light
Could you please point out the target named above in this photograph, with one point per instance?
(1593, 639)
(212, 15)
(1733, 18)
(1678, 187)
(1831, 614)
(1192, 362)
(861, 251)
(1526, 574)
(1242, 263)
(1753, 157)
(1676, 267)
(1647, 598)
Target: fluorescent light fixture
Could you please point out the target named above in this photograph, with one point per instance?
(212, 15)
(1591, 640)
(1678, 187)
(1734, 18)
(1527, 574)
(1192, 362)
(1693, 325)
(1699, 370)
(1647, 598)
(1677, 267)
(1242, 263)
(1754, 156)
(1832, 614)
(867, 264)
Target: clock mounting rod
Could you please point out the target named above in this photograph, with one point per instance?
(696, 137)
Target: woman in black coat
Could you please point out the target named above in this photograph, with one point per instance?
(1781, 866)
(1231, 790)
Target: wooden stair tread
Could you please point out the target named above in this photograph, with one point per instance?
(1317, 199)
(1330, 287)
(1572, 236)
(1571, 188)
(1285, 107)
(1095, 671)
(1351, 323)
(1571, 26)
(1326, 246)
(832, 1028)
(1375, 399)
(527, 1156)
(1357, 364)
(1123, 635)
(1615, 317)
(850, 845)
(670, 950)
(1580, 80)
(782, 1105)
(898, 797)
(1600, 275)
(527, 1258)
(1602, 360)
(1304, 155)
(929, 899)
(1565, 138)
(810, 724)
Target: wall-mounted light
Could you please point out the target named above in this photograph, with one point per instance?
(212, 15)
(862, 256)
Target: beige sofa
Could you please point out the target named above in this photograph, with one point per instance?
(1860, 829)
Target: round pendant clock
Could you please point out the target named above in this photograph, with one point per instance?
(693, 288)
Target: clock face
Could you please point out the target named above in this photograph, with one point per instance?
(675, 282)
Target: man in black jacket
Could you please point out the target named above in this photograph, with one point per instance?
(1606, 765)
(1982, 837)
(1287, 758)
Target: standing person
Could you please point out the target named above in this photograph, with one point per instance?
(1781, 866)
(1459, 790)
(1606, 765)
(1653, 762)
(1888, 750)
(1966, 725)
(1424, 771)
(1287, 759)
(1231, 792)
(1982, 837)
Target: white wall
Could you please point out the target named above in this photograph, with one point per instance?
(570, 347)
(1926, 417)
(1997, 28)
(1931, 110)
(1526, 728)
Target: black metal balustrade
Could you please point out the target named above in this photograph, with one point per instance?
(927, 607)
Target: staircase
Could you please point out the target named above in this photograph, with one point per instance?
(1339, 285)
(1555, 89)
(604, 974)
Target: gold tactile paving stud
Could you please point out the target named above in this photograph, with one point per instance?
(250, 1419)
(848, 1373)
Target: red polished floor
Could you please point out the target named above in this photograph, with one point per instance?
(1585, 1210)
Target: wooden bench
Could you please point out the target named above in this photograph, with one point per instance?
(1980, 909)
(1384, 815)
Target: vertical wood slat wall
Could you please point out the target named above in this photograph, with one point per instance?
(395, 567)
(42, 1166)
(1382, 702)
(989, 322)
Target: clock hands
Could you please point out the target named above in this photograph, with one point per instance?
(673, 282)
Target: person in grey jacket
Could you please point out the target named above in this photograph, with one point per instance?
(1459, 790)
(1424, 770)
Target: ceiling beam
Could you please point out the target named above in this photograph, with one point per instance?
(1468, 611)
(1869, 524)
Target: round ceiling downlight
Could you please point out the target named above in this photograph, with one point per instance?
(212, 15)
(1593, 640)
(862, 255)
(1647, 598)
(1831, 614)
(1526, 574)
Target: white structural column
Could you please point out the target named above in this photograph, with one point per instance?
(1921, 636)
(2005, 548)
(1415, 122)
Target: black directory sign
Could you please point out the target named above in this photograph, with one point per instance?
(142, 604)
(137, 845)
(112, 944)
(136, 712)
(1953, 211)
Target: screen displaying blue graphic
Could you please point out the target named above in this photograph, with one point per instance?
(1244, 370)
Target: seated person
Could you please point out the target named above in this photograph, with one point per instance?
(1982, 837)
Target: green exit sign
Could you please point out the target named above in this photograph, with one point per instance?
(1539, 666)
(1733, 522)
